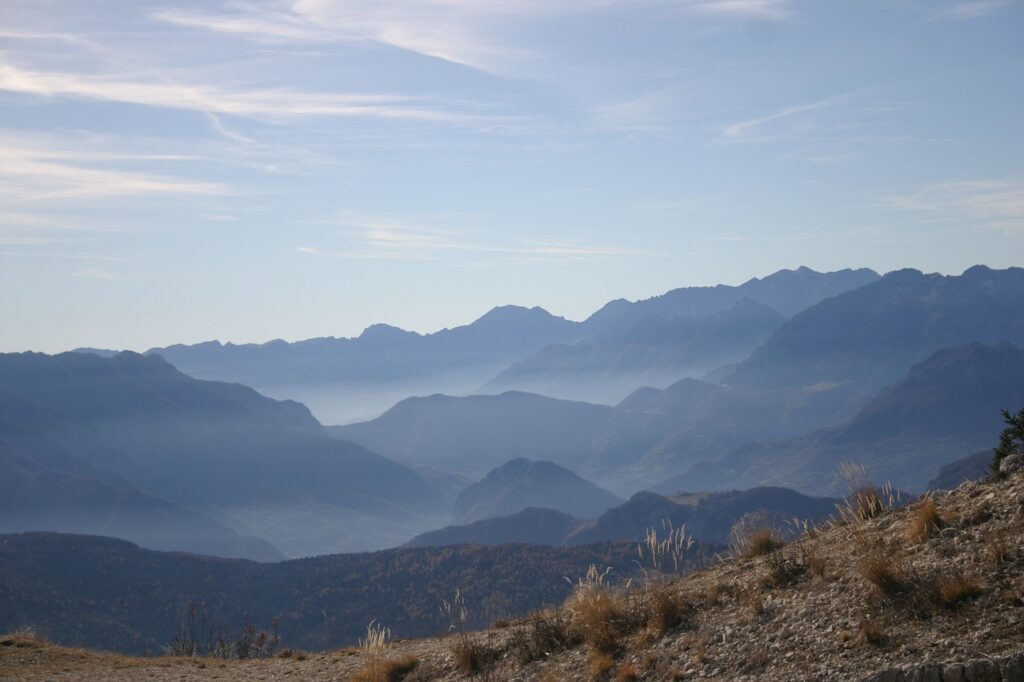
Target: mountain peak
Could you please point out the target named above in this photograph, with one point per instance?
(380, 332)
(513, 314)
(521, 483)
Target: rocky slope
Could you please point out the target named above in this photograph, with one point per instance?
(934, 590)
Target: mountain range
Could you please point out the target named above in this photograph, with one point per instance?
(860, 341)
(945, 408)
(685, 332)
(655, 434)
(94, 444)
(621, 347)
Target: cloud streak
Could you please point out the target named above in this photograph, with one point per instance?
(747, 128)
(390, 239)
(771, 10)
(278, 103)
(962, 11)
(992, 204)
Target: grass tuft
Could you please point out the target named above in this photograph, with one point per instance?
(387, 670)
(885, 574)
(952, 590)
(924, 523)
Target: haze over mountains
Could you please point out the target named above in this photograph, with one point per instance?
(944, 409)
(655, 434)
(619, 348)
(79, 432)
(904, 374)
(129, 438)
(343, 380)
(682, 333)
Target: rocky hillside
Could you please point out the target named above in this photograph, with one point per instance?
(929, 591)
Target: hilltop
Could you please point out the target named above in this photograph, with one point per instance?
(928, 591)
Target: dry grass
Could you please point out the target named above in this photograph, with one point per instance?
(540, 635)
(817, 565)
(952, 590)
(472, 656)
(998, 549)
(924, 522)
(865, 501)
(713, 595)
(701, 654)
(757, 662)
(600, 619)
(783, 571)
(627, 673)
(870, 631)
(386, 670)
(886, 575)
(763, 541)
(752, 601)
(667, 609)
(600, 616)
(601, 665)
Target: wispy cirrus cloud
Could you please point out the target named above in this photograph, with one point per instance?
(773, 10)
(989, 204)
(755, 126)
(384, 238)
(485, 36)
(274, 103)
(37, 174)
(464, 33)
(961, 11)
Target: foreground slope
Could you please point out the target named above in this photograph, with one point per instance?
(876, 599)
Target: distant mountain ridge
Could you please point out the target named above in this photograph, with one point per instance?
(943, 409)
(135, 423)
(683, 333)
(653, 351)
(867, 338)
(521, 483)
(786, 291)
(382, 366)
(474, 434)
(708, 517)
(344, 380)
(649, 436)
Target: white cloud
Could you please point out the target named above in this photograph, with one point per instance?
(992, 204)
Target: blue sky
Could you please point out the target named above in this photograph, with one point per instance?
(181, 171)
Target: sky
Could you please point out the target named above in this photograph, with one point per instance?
(250, 170)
